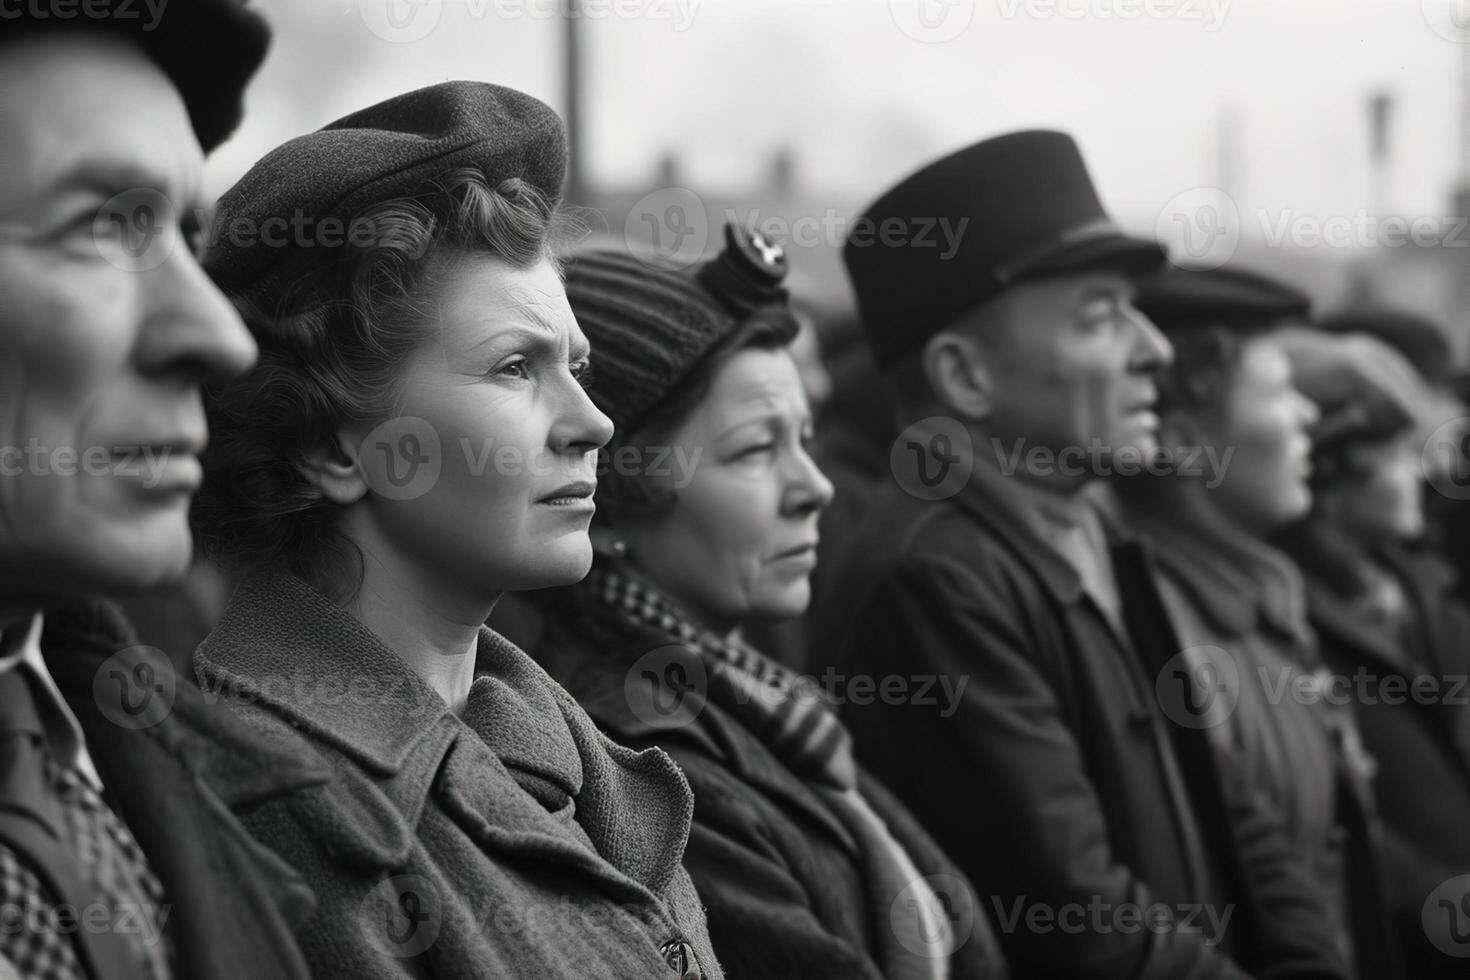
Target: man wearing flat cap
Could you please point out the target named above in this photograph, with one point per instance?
(1109, 841)
(1236, 441)
(117, 859)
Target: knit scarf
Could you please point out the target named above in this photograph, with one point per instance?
(795, 721)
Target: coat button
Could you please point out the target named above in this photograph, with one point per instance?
(680, 955)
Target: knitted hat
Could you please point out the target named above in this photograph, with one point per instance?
(209, 49)
(650, 326)
(323, 182)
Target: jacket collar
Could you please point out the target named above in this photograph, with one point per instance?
(1018, 514)
(1237, 583)
(595, 674)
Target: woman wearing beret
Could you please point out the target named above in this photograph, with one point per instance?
(415, 440)
(707, 520)
(1396, 644)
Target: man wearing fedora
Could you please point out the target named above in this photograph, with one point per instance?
(117, 859)
(1108, 840)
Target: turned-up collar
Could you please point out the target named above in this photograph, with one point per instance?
(1237, 582)
(284, 645)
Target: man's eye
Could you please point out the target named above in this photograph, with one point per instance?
(582, 373)
(764, 447)
(194, 238)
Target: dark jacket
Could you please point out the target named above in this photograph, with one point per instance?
(1421, 741)
(233, 904)
(1240, 600)
(514, 841)
(1057, 784)
(777, 869)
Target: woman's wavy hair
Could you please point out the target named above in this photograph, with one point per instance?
(330, 350)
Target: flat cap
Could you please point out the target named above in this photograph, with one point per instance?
(1177, 298)
(1363, 388)
(1425, 345)
(966, 227)
(209, 49)
(298, 210)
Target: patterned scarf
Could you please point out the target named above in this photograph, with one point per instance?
(792, 718)
(786, 711)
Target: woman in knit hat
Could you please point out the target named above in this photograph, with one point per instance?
(707, 520)
(416, 440)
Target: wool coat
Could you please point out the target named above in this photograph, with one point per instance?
(777, 868)
(512, 841)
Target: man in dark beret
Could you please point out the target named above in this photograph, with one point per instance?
(1236, 438)
(1109, 841)
(117, 860)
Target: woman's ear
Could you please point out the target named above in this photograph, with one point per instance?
(959, 374)
(333, 468)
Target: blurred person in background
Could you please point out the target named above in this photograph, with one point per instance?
(1377, 630)
(1235, 434)
(118, 855)
(807, 866)
(416, 440)
(1446, 534)
(1056, 782)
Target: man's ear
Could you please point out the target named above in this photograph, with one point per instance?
(959, 374)
(334, 469)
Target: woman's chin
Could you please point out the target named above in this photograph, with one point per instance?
(561, 562)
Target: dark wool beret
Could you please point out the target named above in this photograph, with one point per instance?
(1179, 298)
(963, 229)
(295, 211)
(650, 326)
(208, 48)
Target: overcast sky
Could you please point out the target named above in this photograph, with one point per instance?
(864, 90)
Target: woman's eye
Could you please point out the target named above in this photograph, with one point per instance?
(582, 373)
(518, 368)
(764, 447)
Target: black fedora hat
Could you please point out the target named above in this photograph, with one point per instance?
(1013, 208)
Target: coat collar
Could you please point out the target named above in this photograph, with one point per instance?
(1238, 584)
(287, 648)
(595, 674)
